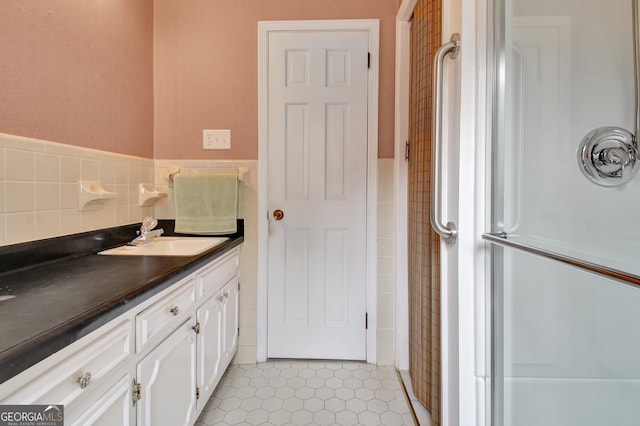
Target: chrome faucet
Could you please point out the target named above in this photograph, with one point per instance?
(145, 234)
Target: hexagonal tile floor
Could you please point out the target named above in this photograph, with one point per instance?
(285, 392)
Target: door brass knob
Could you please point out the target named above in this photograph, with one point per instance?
(278, 214)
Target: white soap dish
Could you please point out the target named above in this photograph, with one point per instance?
(148, 194)
(92, 195)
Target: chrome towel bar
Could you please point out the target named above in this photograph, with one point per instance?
(501, 239)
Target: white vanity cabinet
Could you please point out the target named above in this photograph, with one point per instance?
(167, 375)
(155, 365)
(178, 377)
(217, 337)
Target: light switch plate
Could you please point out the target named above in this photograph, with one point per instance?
(216, 139)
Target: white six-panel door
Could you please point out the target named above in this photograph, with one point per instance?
(317, 156)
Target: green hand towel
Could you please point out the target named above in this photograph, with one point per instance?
(206, 204)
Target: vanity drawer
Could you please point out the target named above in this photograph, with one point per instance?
(93, 366)
(165, 315)
(219, 272)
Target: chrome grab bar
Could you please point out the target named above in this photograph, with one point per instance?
(503, 240)
(448, 232)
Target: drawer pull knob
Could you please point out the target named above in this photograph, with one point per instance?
(84, 380)
(175, 310)
(226, 294)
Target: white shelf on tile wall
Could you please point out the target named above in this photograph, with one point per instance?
(92, 195)
(148, 194)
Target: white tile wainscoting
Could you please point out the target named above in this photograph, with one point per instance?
(386, 263)
(39, 199)
(39, 188)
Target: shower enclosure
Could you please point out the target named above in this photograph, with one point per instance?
(565, 226)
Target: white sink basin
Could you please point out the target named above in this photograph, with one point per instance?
(168, 246)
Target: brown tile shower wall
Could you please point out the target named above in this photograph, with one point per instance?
(424, 243)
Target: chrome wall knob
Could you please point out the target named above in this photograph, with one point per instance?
(608, 156)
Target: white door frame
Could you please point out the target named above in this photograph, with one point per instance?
(371, 26)
(401, 166)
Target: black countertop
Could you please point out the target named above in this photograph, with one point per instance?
(53, 292)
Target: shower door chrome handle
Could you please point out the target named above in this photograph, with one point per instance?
(448, 232)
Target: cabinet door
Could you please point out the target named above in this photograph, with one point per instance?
(209, 346)
(230, 315)
(167, 380)
(112, 408)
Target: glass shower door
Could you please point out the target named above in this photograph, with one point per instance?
(565, 246)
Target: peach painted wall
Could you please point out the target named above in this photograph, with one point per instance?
(206, 69)
(78, 72)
